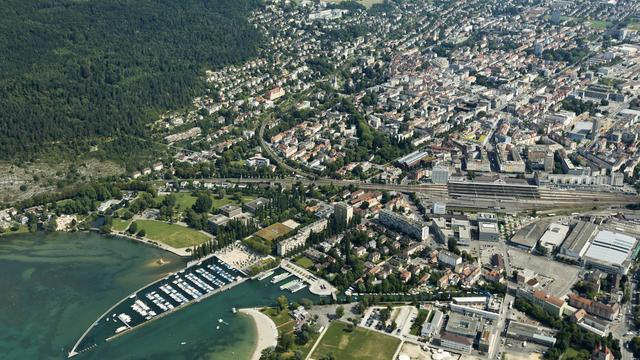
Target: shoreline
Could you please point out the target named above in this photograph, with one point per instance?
(266, 331)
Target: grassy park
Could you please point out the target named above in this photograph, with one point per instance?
(171, 234)
(120, 224)
(185, 200)
(357, 344)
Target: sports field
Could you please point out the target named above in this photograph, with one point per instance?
(273, 232)
(173, 235)
(360, 344)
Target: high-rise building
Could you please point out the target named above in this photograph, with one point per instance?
(343, 211)
(538, 48)
(555, 16)
(595, 128)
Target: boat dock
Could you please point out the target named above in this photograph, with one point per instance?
(276, 279)
(265, 275)
(192, 284)
(289, 285)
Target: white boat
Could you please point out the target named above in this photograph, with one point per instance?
(220, 321)
(183, 343)
(234, 310)
(121, 329)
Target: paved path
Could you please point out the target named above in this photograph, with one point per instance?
(316, 344)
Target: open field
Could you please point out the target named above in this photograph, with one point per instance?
(120, 225)
(599, 24)
(170, 234)
(273, 232)
(634, 25)
(358, 344)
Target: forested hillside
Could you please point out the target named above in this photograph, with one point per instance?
(77, 73)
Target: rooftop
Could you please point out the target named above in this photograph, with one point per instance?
(610, 247)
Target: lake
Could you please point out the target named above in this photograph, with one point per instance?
(55, 285)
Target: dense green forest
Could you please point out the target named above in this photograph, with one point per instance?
(74, 74)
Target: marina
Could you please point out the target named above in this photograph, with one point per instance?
(160, 298)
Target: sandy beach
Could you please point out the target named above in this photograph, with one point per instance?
(266, 331)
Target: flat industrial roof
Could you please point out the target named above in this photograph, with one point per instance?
(555, 234)
(581, 233)
(530, 234)
(610, 247)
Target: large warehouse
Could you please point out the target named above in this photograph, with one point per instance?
(578, 241)
(611, 252)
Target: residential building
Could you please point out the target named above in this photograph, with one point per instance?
(343, 211)
(411, 227)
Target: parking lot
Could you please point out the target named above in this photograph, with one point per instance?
(559, 276)
(403, 316)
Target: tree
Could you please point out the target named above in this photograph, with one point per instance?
(267, 354)
(339, 311)
(306, 303)
(282, 303)
(285, 342)
(452, 245)
(385, 314)
(169, 200)
(203, 204)
(302, 336)
(133, 228)
(634, 344)
(142, 233)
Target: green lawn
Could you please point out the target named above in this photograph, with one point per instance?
(279, 318)
(572, 354)
(358, 344)
(228, 199)
(171, 234)
(305, 262)
(184, 200)
(120, 225)
(599, 24)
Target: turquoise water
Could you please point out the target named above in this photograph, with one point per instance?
(55, 285)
